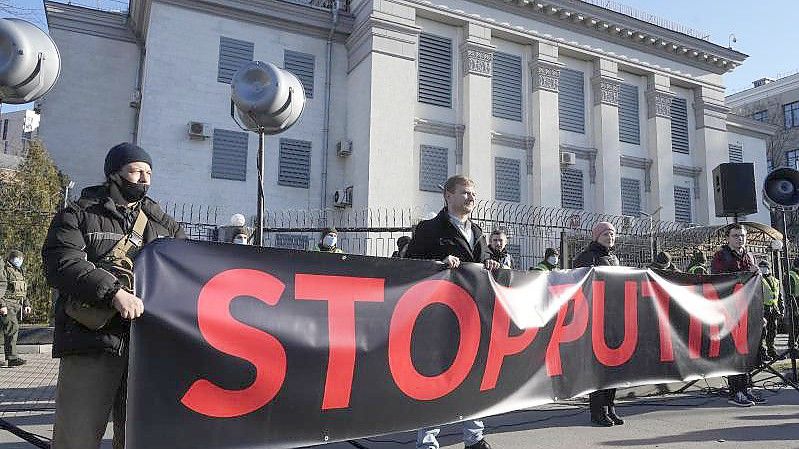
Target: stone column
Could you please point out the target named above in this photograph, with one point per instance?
(477, 55)
(658, 105)
(711, 148)
(382, 53)
(605, 85)
(545, 71)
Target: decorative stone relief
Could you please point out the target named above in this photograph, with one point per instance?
(545, 76)
(658, 103)
(606, 91)
(477, 60)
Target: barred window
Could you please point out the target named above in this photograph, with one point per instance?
(435, 70)
(571, 101)
(682, 204)
(233, 54)
(679, 125)
(630, 197)
(571, 182)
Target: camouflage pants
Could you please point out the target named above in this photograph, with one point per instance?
(10, 323)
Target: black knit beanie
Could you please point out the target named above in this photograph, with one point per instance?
(122, 154)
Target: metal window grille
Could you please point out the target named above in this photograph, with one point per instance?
(433, 168)
(229, 155)
(302, 66)
(736, 153)
(506, 87)
(571, 101)
(233, 54)
(435, 70)
(507, 179)
(682, 204)
(571, 183)
(630, 197)
(679, 125)
(629, 121)
(294, 163)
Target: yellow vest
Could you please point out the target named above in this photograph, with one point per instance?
(771, 290)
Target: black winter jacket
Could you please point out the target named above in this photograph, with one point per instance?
(595, 255)
(438, 238)
(80, 235)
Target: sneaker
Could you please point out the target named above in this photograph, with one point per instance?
(754, 397)
(482, 444)
(741, 400)
(16, 362)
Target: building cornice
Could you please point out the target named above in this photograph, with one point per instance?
(772, 89)
(585, 18)
(751, 127)
(78, 19)
(287, 16)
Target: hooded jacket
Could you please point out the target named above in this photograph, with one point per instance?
(80, 235)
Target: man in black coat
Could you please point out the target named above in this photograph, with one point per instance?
(452, 238)
(92, 374)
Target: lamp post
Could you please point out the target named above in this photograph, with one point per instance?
(650, 217)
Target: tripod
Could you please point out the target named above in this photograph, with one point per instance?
(790, 304)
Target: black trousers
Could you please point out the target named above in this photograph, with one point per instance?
(602, 398)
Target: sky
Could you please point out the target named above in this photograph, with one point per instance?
(764, 31)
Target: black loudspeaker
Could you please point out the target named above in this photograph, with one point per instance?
(781, 189)
(734, 189)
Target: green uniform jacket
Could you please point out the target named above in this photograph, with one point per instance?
(12, 285)
(771, 290)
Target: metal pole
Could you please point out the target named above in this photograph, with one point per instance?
(260, 216)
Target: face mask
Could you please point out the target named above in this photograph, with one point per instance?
(765, 271)
(240, 240)
(329, 241)
(17, 262)
(552, 260)
(131, 191)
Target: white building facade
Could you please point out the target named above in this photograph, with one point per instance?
(17, 129)
(550, 103)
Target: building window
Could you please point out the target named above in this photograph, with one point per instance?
(679, 125)
(291, 241)
(630, 197)
(682, 204)
(761, 116)
(629, 124)
(571, 187)
(294, 163)
(791, 111)
(506, 87)
(302, 66)
(791, 158)
(433, 168)
(233, 54)
(736, 153)
(571, 101)
(507, 179)
(435, 70)
(229, 155)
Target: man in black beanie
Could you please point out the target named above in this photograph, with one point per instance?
(88, 258)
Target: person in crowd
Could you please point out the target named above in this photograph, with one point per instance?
(663, 262)
(328, 241)
(600, 252)
(792, 301)
(88, 256)
(698, 264)
(498, 247)
(13, 299)
(550, 262)
(733, 258)
(773, 309)
(402, 245)
(452, 238)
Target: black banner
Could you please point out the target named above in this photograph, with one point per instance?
(244, 347)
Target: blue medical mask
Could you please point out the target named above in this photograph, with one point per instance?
(329, 241)
(17, 262)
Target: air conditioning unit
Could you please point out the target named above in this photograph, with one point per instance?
(568, 158)
(343, 197)
(199, 130)
(344, 148)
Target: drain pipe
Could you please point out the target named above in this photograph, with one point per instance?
(328, 75)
